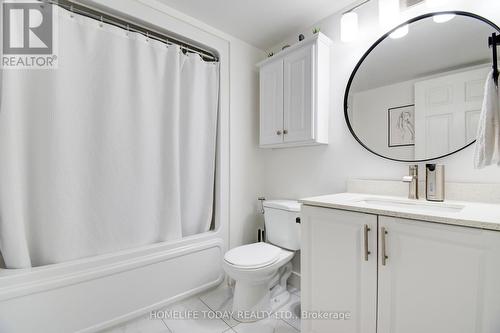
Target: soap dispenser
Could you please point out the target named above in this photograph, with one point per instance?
(434, 183)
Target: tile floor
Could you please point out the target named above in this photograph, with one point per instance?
(206, 313)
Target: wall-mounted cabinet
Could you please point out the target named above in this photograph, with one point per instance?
(295, 95)
(397, 275)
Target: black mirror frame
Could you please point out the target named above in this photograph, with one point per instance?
(367, 53)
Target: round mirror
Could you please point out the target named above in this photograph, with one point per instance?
(417, 93)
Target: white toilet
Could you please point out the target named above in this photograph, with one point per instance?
(261, 270)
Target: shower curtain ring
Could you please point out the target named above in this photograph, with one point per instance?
(102, 21)
(72, 14)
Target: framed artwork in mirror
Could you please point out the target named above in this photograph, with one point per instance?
(401, 126)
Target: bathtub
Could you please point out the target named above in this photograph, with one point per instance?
(92, 294)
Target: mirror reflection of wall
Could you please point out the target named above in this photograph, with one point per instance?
(419, 96)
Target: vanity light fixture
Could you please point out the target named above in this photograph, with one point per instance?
(349, 27)
(389, 12)
(433, 4)
(400, 32)
(441, 18)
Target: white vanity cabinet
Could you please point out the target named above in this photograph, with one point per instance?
(294, 95)
(435, 278)
(337, 276)
(438, 278)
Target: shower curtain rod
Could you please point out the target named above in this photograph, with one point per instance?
(132, 27)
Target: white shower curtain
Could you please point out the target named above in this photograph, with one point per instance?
(114, 149)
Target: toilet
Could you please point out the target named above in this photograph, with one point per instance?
(261, 270)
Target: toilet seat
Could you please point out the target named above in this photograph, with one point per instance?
(254, 255)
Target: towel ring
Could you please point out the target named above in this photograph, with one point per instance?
(493, 41)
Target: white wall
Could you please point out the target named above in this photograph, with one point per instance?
(369, 117)
(239, 91)
(247, 183)
(302, 172)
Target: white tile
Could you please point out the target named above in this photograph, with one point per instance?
(220, 299)
(290, 312)
(269, 325)
(203, 323)
(143, 325)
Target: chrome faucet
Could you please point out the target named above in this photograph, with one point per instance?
(412, 180)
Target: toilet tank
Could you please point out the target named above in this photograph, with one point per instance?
(282, 220)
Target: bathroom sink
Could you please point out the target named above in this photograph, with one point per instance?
(412, 205)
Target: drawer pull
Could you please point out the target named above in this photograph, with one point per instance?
(365, 232)
(383, 238)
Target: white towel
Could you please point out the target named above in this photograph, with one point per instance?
(487, 150)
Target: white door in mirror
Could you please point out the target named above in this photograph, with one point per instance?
(447, 112)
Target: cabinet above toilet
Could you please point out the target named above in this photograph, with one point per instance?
(295, 95)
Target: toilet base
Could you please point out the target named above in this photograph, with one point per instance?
(254, 301)
(251, 302)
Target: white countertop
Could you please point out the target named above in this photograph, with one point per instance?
(473, 214)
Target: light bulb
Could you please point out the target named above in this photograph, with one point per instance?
(388, 13)
(441, 18)
(435, 3)
(400, 32)
(349, 27)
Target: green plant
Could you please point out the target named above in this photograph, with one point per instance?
(315, 30)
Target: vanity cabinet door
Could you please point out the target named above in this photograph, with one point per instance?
(437, 278)
(271, 103)
(336, 275)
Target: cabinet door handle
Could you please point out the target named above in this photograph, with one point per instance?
(365, 232)
(383, 234)
(285, 131)
(278, 132)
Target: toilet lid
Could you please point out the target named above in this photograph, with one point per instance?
(253, 255)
